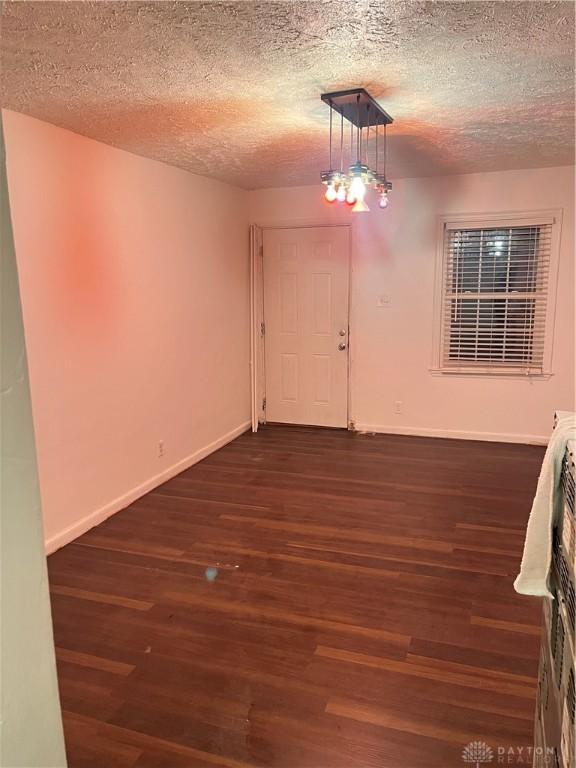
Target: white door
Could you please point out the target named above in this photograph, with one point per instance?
(306, 279)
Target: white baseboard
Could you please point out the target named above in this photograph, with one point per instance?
(493, 437)
(101, 514)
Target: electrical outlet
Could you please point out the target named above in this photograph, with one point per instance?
(160, 448)
(398, 406)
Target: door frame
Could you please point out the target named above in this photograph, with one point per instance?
(258, 318)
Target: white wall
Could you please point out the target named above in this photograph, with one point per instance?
(30, 721)
(135, 292)
(394, 253)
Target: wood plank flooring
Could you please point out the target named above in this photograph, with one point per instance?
(362, 615)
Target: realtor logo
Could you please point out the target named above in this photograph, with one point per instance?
(477, 753)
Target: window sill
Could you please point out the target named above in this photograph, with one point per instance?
(483, 373)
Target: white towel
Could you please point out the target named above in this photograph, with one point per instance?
(536, 560)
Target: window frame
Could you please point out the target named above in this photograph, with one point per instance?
(493, 221)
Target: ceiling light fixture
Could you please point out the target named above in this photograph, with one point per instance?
(368, 123)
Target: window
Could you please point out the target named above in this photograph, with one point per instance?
(494, 306)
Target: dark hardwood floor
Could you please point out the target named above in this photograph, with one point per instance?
(362, 614)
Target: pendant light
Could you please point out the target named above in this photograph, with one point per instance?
(363, 113)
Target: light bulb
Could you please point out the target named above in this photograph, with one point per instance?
(360, 207)
(358, 188)
(330, 193)
(350, 199)
(341, 194)
(383, 200)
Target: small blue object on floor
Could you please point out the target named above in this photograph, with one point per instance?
(211, 573)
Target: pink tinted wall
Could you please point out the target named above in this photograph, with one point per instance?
(393, 256)
(135, 290)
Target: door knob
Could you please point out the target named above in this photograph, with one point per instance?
(342, 346)
(342, 332)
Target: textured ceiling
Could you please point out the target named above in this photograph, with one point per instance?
(232, 89)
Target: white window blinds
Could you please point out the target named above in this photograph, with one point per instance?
(494, 298)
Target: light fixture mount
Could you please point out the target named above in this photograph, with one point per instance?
(366, 157)
(358, 107)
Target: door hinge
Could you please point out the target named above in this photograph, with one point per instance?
(263, 403)
(262, 329)
(262, 251)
